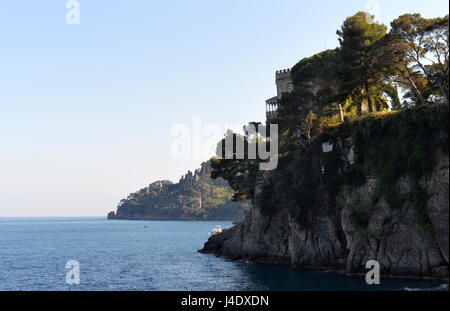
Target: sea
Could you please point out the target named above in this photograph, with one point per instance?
(38, 254)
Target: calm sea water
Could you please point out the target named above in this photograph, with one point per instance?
(124, 255)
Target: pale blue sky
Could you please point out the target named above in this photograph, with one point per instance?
(86, 110)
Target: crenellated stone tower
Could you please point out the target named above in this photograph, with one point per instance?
(284, 84)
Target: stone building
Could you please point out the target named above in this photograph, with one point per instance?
(284, 84)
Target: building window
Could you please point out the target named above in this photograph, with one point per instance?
(290, 86)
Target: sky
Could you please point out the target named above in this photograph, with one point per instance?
(88, 111)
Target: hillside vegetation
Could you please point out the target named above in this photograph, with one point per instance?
(195, 197)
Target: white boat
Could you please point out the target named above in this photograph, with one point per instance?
(217, 229)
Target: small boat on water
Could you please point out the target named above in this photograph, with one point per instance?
(217, 229)
(145, 226)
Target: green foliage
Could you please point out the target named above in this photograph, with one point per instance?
(405, 146)
(358, 68)
(331, 90)
(318, 68)
(195, 196)
(389, 146)
(295, 185)
(238, 166)
(415, 52)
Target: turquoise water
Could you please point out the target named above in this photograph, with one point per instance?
(124, 255)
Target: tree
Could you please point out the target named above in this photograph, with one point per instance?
(420, 48)
(438, 46)
(415, 56)
(357, 68)
(190, 198)
(239, 170)
(318, 75)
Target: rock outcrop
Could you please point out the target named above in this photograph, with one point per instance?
(333, 238)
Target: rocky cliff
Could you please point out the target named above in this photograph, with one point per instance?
(402, 224)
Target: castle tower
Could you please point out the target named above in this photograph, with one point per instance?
(283, 81)
(284, 84)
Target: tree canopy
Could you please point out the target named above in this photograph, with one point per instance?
(195, 197)
(372, 71)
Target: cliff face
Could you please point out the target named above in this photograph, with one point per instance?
(396, 239)
(279, 239)
(334, 239)
(404, 226)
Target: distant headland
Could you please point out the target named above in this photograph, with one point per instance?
(195, 197)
